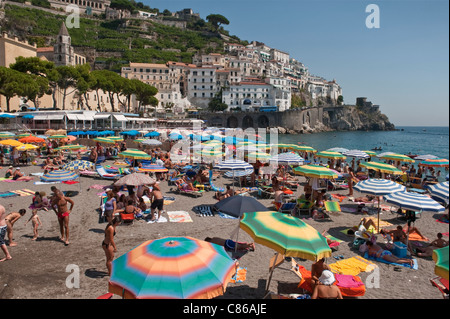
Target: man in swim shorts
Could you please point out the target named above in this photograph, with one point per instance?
(3, 229)
(59, 205)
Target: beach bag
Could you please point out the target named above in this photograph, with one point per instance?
(358, 242)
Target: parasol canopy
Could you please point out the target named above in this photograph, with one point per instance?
(172, 267)
(78, 165)
(59, 176)
(10, 143)
(356, 153)
(135, 179)
(288, 158)
(382, 168)
(378, 187)
(286, 234)
(330, 155)
(134, 154)
(439, 192)
(237, 205)
(397, 157)
(315, 171)
(414, 202)
(439, 162)
(440, 257)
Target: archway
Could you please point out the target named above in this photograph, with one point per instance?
(232, 122)
(263, 121)
(247, 122)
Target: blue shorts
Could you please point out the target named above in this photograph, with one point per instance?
(230, 245)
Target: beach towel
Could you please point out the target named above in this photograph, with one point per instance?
(339, 197)
(445, 234)
(179, 217)
(381, 260)
(331, 206)
(24, 192)
(161, 219)
(70, 182)
(8, 194)
(222, 215)
(4, 178)
(352, 266)
(347, 209)
(415, 237)
(97, 186)
(45, 183)
(240, 275)
(346, 281)
(442, 221)
(203, 210)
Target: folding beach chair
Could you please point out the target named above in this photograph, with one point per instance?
(304, 206)
(332, 207)
(442, 285)
(127, 219)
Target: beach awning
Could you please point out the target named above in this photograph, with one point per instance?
(55, 117)
(40, 117)
(120, 117)
(72, 117)
(85, 117)
(101, 116)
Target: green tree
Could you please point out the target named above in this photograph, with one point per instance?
(340, 100)
(217, 20)
(145, 95)
(68, 78)
(14, 83)
(216, 104)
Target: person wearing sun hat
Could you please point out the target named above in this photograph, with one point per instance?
(325, 289)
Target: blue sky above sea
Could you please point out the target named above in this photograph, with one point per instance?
(403, 66)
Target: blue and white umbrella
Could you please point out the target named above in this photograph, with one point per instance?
(414, 202)
(439, 192)
(356, 153)
(59, 176)
(151, 142)
(233, 165)
(425, 157)
(338, 149)
(378, 187)
(239, 173)
(288, 158)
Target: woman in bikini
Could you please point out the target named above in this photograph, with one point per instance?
(378, 252)
(60, 203)
(108, 244)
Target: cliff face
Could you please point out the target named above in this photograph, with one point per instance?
(352, 118)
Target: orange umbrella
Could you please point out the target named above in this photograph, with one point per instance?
(32, 139)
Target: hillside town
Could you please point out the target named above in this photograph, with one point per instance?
(249, 78)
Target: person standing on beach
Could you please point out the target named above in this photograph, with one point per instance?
(36, 221)
(108, 244)
(59, 205)
(157, 200)
(3, 228)
(350, 179)
(10, 221)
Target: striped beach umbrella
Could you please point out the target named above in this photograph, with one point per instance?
(232, 174)
(151, 142)
(7, 135)
(59, 176)
(330, 155)
(440, 257)
(57, 137)
(315, 171)
(382, 168)
(172, 267)
(439, 192)
(116, 138)
(425, 157)
(210, 152)
(259, 156)
(288, 158)
(356, 153)
(233, 165)
(106, 140)
(439, 162)
(397, 157)
(73, 147)
(78, 165)
(304, 148)
(414, 202)
(285, 234)
(378, 187)
(153, 168)
(370, 153)
(338, 149)
(134, 154)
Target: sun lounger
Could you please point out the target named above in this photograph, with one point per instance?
(349, 285)
(304, 206)
(181, 190)
(103, 174)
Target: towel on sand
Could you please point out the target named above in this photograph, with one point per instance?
(352, 266)
(415, 266)
(240, 275)
(346, 281)
(179, 217)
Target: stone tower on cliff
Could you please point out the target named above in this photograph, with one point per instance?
(63, 50)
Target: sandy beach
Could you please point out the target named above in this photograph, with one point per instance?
(39, 269)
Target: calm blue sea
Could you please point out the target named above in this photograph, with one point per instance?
(408, 139)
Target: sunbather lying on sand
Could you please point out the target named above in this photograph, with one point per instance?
(436, 244)
(378, 252)
(230, 244)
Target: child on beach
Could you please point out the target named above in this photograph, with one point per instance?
(36, 222)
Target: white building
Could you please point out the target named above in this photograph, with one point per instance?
(201, 86)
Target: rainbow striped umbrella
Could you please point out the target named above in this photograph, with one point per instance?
(172, 267)
(397, 157)
(315, 171)
(439, 162)
(382, 168)
(153, 169)
(331, 155)
(59, 176)
(440, 257)
(134, 154)
(285, 234)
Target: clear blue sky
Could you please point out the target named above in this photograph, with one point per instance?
(403, 66)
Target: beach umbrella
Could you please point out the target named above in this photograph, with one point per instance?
(116, 138)
(7, 135)
(382, 168)
(439, 192)
(356, 153)
(370, 153)
(6, 116)
(425, 157)
(315, 171)
(331, 155)
(233, 165)
(175, 136)
(249, 148)
(57, 137)
(286, 234)
(232, 174)
(172, 267)
(259, 156)
(130, 133)
(10, 142)
(439, 162)
(59, 176)
(338, 149)
(106, 140)
(397, 157)
(151, 142)
(153, 168)
(78, 165)
(27, 147)
(440, 257)
(304, 148)
(378, 187)
(32, 139)
(414, 202)
(152, 134)
(135, 179)
(22, 135)
(288, 158)
(71, 147)
(237, 205)
(134, 154)
(210, 152)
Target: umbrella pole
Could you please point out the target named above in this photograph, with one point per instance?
(271, 273)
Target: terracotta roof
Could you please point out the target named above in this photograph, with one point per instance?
(148, 65)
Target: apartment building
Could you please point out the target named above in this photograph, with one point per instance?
(202, 86)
